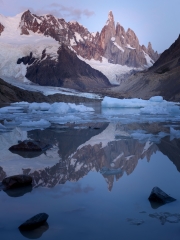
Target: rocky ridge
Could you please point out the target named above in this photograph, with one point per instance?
(114, 43)
(67, 70)
(162, 79)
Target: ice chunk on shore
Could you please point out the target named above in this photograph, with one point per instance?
(109, 102)
(156, 99)
(155, 105)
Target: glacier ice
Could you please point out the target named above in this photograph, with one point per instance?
(154, 106)
(42, 115)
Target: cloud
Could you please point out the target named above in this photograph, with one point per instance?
(71, 11)
(62, 11)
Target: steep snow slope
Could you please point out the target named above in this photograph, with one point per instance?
(14, 46)
(110, 70)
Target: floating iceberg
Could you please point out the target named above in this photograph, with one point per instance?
(155, 105)
(42, 115)
(57, 107)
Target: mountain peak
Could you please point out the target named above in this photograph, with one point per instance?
(27, 12)
(149, 45)
(110, 16)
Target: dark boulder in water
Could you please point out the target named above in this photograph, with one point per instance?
(35, 233)
(158, 198)
(34, 222)
(29, 145)
(16, 181)
(18, 192)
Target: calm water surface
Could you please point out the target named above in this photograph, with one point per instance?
(94, 182)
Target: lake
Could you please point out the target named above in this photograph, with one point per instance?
(95, 180)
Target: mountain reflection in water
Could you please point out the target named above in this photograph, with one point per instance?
(88, 148)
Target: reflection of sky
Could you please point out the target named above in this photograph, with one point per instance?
(98, 213)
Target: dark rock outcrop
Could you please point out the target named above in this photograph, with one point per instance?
(29, 149)
(1, 28)
(34, 222)
(67, 71)
(18, 192)
(17, 181)
(35, 233)
(28, 145)
(2, 174)
(158, 197)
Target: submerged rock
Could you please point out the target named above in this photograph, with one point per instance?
(164, 217)
(135, 221)
(158, 198)
(16, 181)
(34, 222)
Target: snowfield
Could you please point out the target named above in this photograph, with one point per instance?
(110, 70)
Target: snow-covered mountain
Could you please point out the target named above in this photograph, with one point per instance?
(112, 51)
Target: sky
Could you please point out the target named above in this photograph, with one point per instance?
(155, 21)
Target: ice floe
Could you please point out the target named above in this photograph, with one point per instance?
(155, 105)
(41, 115)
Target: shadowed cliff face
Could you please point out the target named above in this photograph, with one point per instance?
(66, 71)
(169, 59)
(163, 78)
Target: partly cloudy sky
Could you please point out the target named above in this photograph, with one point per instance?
(156, 21)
